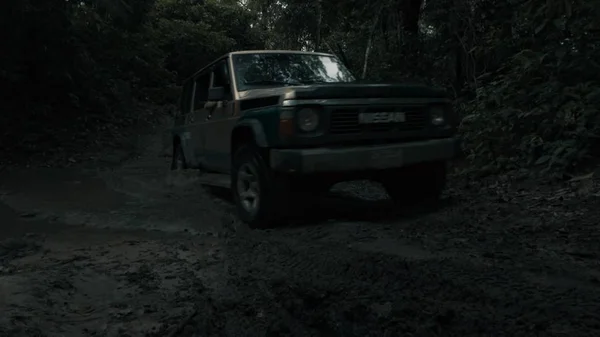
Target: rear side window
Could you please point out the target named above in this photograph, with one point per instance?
(185, 103)
(201, 93)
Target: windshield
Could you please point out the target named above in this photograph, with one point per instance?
(282, 69)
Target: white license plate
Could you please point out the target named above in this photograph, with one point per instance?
(381, 117)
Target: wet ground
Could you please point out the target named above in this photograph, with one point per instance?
(138, 251)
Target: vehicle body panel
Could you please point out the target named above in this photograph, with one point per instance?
(368, 90)
(266, 92)
(361, 157)
(268, 118)
(217, 132)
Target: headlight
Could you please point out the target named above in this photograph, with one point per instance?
(308, 119)
(437, 115)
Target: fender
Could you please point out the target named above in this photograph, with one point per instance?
(257, 129)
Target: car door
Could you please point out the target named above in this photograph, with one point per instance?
(197, 119)
(222, 120)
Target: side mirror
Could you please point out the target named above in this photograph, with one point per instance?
(216, 94)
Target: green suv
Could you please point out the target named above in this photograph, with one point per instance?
(282, 127)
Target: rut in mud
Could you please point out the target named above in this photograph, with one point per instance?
(137, 251)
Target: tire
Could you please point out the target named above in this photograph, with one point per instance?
(178, 162)
(260, 195)
(416, 184)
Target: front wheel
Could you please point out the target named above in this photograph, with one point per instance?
(260, 195)
(416, 184)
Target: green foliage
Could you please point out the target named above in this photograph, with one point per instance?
(539, 109)
(73, 69)
(195, 34)
(523, 72)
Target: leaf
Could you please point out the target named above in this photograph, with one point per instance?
(541, 27)
(559, 150)
(542, 160)
(582, 177)
(560, 53)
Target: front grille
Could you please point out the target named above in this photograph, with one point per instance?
(344, 121)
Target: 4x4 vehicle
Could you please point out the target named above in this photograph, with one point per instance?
(285, 126)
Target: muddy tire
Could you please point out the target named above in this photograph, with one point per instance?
(178, 162)
(260, 195)
(421, 183)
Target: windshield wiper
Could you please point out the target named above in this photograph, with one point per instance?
(313, 81)
(270, 82)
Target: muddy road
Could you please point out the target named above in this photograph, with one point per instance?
(137, 251)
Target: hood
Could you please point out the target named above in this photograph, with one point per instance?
(267, 92)
(369, 90)
(348, 90)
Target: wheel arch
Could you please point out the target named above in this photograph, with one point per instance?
(250, 130)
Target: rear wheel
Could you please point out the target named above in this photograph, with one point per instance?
(260, 195)
(415, 184)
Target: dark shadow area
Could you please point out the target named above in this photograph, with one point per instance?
(340, 207)
(220, 192)
(15, 224)
(337, 207)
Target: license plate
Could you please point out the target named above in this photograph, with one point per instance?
(381, 117)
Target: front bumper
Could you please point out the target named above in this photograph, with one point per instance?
(363, 158)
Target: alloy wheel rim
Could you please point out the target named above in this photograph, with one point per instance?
(248, 188)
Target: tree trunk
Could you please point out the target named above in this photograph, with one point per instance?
(319, 22)
(367, 52)
(370, 43)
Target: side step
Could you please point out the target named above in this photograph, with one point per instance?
(215, 179)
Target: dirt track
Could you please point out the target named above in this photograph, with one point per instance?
(136, 251)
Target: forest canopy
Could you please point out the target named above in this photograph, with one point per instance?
(523, 73)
